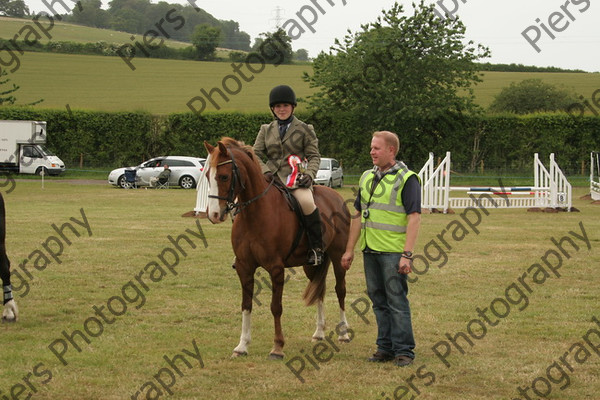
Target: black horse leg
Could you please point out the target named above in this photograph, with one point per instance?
(5, 274)
(10, 308)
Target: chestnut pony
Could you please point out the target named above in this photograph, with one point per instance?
(263, 232)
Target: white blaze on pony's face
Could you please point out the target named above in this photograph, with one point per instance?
(213, 209)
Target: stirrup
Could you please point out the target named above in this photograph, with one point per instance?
(315, 257)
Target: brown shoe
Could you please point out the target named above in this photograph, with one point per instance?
(380, 356)
(402, 361)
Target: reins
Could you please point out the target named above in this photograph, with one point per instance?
(235, 177)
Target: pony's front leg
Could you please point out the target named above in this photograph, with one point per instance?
(247, 281)
(11, 311)
(277, 280)
(242, 348)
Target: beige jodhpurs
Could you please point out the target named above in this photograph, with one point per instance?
(305, 199)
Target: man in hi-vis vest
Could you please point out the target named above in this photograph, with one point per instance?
(387, 220)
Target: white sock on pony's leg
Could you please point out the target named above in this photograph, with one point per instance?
(320, 331)
(245, 337)
(343, 327)
(11, 311)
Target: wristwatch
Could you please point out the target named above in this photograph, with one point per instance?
(407, 254)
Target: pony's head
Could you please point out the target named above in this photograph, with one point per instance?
(229, 167)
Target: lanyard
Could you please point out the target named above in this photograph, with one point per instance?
(374, 184)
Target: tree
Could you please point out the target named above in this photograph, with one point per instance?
(127, 20)
(90, 13)
(301, 55)
(275, 46)
(206, 38)
(532, 95)
(193, 17)
(233, 38)
(397, 70)
(16, 8)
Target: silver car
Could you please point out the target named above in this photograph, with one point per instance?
(185, 171)
(330, 173)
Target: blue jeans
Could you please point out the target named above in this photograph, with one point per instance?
(387, 290)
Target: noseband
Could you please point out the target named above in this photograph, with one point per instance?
(235, 178)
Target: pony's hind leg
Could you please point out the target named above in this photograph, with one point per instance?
(315, 293)
(340, 290)
(342, 328)
(320, 331)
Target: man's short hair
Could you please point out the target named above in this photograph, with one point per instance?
(390, 139)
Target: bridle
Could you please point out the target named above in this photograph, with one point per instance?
(235, 178)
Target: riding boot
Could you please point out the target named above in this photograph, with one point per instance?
(315, 238)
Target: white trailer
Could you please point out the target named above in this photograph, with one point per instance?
(22, 150)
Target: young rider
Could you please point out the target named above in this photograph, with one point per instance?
(276, 142)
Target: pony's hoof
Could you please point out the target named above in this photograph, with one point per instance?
(237, 354)
(317, 339)
(275, 356)
(344, 340)
(11, 312)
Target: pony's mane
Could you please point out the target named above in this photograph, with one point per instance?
(231, 143)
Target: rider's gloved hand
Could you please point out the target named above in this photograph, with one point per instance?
(304, 181)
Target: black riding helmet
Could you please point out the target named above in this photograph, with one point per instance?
(282, 94)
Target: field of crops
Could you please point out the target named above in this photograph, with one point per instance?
(165, 86)
(156, 86)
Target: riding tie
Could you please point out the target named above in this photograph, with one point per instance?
(282, 130)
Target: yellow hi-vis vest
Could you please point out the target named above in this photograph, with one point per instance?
(383, 218)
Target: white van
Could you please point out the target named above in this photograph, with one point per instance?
(22, 150)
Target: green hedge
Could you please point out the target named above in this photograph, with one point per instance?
(504, 143)
(101, 48)
(104, 139)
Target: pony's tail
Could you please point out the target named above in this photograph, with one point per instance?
(315, 290)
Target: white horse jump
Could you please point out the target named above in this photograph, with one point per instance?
(550, 189)
(595, 175)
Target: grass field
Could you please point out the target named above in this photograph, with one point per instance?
(199, 306)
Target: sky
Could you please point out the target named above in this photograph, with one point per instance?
(560, 33)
